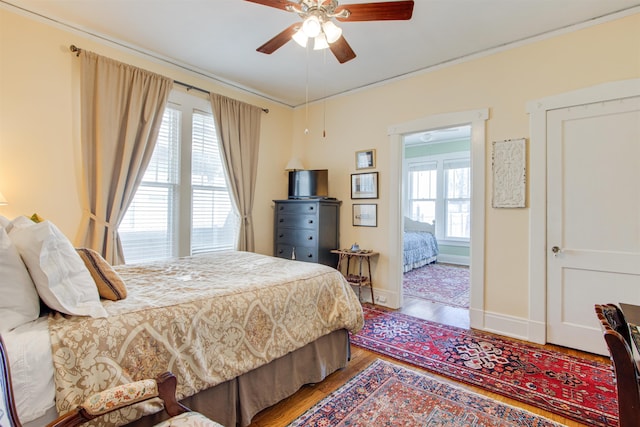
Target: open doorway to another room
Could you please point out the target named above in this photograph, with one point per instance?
(436, 207)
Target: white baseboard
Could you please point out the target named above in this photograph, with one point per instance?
(384, 297)
(509, 326)
(453, 259)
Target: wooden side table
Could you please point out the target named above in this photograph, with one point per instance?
(360, 279)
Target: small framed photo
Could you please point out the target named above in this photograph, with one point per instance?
(365, 215)
(364, 185)
(366, 159)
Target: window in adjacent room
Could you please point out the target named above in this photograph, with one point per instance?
(183, 205)
(439, 189)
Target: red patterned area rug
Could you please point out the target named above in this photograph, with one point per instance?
(443, 283)
(386, 394)
(573, 387)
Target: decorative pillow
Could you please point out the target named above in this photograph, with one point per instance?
(108, 282)
(36, 218)
(61, 278)
(19, 302)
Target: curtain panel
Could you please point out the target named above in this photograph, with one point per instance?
(122, 108)
(238, 129)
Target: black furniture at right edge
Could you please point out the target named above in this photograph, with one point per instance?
(616, 334)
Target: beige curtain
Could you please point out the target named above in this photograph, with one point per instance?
(122, 108)
(238, 128)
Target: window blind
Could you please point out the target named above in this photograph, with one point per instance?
(214, 222)
(147, 230)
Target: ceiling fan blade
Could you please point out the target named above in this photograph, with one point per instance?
(279, 40)
(342, 50)
(382, 11)
(278, 4)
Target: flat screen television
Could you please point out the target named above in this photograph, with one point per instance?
(309, 184)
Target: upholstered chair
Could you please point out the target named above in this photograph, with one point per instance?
(106, 401)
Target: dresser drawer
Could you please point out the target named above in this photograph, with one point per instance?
(297, 208)
(297, 221)
(296, 237)
(303, 253)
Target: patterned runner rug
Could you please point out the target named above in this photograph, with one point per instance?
(573, 387)
(386, 394)
(443, 283)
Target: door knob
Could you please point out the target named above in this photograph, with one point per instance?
(555, 250)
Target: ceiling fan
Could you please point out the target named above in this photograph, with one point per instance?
(317, 22)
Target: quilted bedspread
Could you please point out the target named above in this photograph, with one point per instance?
(205, 318)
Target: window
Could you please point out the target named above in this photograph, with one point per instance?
(439, 189)
(457, 199)
(423, 191)
(182, 206)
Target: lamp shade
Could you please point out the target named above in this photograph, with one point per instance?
(294, 165)
(320, 42)
(331, 31)
(3, 201)
(312, 26)
(300, 37)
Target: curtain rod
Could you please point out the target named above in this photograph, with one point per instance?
(76, 50)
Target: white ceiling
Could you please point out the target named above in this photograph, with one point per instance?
(218, 38)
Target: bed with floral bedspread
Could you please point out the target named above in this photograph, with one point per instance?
(207, 319)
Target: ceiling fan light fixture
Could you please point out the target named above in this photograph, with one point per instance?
(331, 31)
(311, 26)
(320, 42)
(300, 37)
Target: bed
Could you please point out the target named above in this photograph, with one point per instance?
(240, 330)
(420, 244)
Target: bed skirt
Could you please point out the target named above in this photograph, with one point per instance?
(237, 401)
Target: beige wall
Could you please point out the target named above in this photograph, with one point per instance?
(503, 82)
(40, 168)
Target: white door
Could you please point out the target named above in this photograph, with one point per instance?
(593, 217)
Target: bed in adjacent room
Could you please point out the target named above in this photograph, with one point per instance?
(420, 244)
(241, 331)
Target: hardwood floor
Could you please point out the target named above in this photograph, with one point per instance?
(291, 408)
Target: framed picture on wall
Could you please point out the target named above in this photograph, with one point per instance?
(366, 159)
(365, 215)
(364, 185)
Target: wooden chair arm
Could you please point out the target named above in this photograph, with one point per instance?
(122, 396)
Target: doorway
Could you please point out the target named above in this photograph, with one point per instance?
(437, 221)
(475, 119)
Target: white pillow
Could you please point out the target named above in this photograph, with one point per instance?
(4, 222)
(61, 278)
(19, 221)
(19, 302)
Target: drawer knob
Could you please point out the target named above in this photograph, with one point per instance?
(281, 235)
(310, 256)
(310, 237)
(281, 219)
(310, 221)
